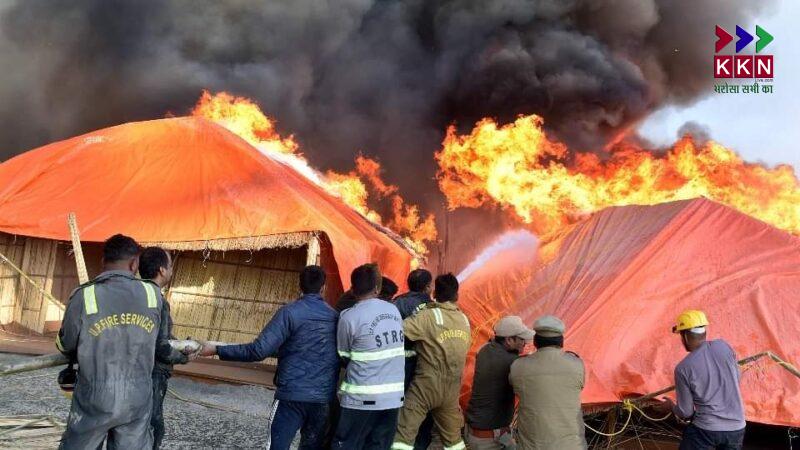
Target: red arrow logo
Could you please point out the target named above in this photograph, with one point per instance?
(723, 38)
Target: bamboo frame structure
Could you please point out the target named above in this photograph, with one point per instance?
(223, 289)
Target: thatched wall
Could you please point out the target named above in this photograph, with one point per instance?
(215, 295)
(22, 305)
(229, 296)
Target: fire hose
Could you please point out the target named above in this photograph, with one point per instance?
(57, 359)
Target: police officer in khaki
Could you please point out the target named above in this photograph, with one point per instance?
(110, 329)
(442, 336)
(549, 384)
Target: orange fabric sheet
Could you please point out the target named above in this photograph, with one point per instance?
(620, 278)
(179, 179)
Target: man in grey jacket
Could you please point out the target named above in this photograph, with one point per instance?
(370, 340)
(110, 328)
(155, 265)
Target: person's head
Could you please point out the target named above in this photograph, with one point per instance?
(388, 289)
(549, 332)
(121, 253)
(155, 264)
(420, 280)
(446, 289)
(691, 324)
(512, 334)
(312, 279)
(365, 281)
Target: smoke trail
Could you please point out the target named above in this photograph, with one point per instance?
(516, 240)
(382, 77)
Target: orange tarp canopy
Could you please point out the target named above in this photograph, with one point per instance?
(620, 278)
(178, 180)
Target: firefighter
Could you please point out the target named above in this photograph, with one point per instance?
(442, 335)
(370, 341)
(155, 264)
(110, 328)
(420, 286)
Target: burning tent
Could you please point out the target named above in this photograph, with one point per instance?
(243, 224)
(620, 277)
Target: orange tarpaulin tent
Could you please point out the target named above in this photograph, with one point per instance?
(180, 180)
(620, 278)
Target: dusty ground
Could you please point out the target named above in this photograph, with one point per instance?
(188, 425)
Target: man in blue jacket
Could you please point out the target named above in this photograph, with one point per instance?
(302, 335)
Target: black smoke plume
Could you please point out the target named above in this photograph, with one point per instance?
(382, 77)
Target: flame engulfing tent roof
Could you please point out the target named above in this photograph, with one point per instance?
(181, 180)
(620, 278)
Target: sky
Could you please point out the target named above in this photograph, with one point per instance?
(762, 128)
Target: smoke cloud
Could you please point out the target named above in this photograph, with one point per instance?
(381, 77)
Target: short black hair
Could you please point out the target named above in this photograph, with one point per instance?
(388, 289)
(543, 341)
(446, 289)
(419, 280)
(364, 279)
(312, 278)
(151, 260)
(119, 248)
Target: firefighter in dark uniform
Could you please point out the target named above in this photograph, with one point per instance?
(110, 329)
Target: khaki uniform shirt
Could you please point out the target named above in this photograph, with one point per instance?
(442, 335)
(549, 383)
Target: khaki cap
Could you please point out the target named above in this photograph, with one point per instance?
(512, 326)
(549, 326)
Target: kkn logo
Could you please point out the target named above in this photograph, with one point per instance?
(743, 66)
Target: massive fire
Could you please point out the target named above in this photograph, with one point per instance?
(518, 167)
(359, 188)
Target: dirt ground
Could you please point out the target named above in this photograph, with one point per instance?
(189, 426)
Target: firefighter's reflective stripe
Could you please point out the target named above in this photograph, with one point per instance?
(152, 300)
(59, 345)
(402, 446)
(459, 446)
(89, 300)
(372, 389)
(438, 315)
(410, 353)
(373, 356)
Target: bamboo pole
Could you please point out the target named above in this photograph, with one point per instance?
(83, 274)
(33, 283)
(789, 367)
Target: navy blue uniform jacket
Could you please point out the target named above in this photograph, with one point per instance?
(302, 335)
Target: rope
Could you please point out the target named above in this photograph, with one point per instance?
(628, 406)
(202, 403)
(46, 294)
(648, 417)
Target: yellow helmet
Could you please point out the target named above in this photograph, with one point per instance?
(691, 318)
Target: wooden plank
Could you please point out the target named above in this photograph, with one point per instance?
(313, 251)
(44, 303)
(38, 264)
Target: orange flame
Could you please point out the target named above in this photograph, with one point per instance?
(244, 117)
(406, 220)
(518, 167)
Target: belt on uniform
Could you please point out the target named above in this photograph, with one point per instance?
(488, 434)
